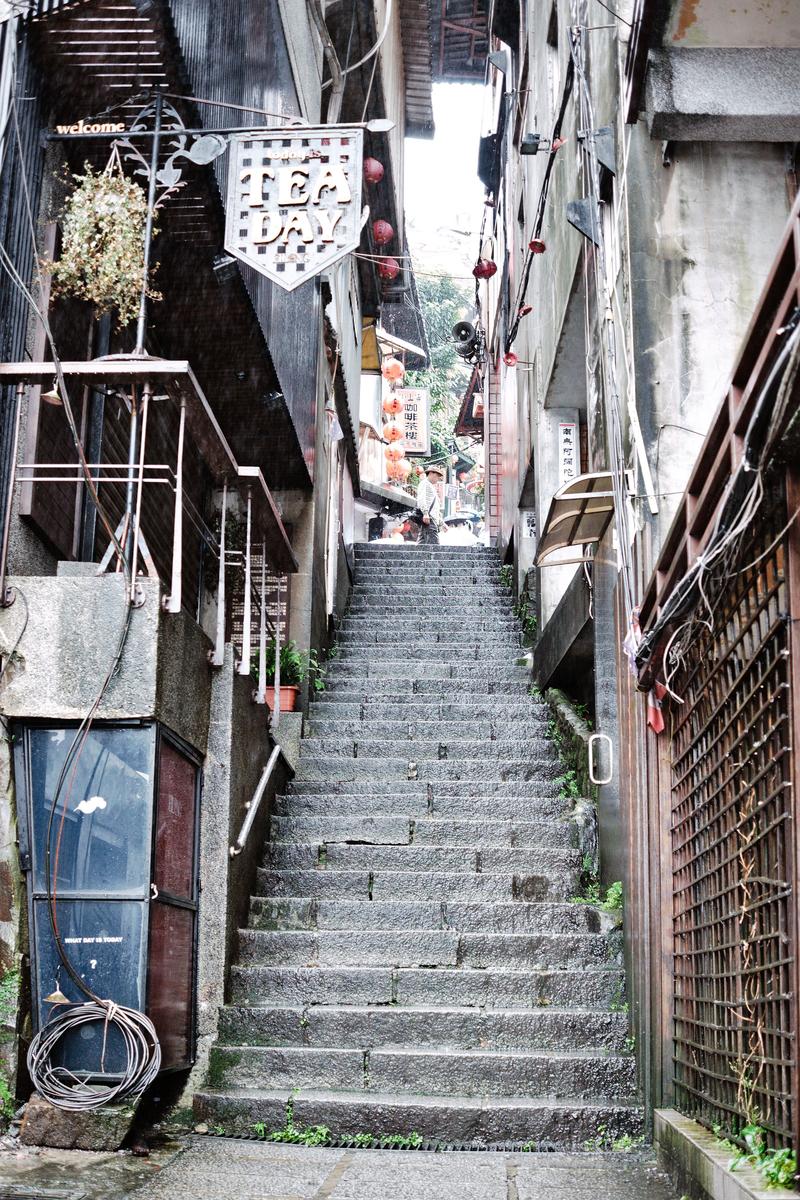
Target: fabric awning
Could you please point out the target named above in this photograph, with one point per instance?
(580, 513)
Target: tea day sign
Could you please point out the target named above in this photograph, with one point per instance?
(294, 200)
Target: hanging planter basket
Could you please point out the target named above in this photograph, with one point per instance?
(102, 254)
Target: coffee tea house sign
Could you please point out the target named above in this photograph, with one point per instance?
(294, 200)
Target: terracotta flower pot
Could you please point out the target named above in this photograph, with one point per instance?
(288, 698)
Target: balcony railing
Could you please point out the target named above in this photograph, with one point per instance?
(142, 384)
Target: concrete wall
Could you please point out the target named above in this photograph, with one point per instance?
(238, 748)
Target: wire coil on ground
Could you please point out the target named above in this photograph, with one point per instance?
(63, 1088)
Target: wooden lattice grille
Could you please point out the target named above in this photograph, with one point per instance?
(733, 848)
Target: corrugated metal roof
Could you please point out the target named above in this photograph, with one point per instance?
(415, 28)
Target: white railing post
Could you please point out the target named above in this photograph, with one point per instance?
(261, 693)
(276, 711)
(217, 656)
(244, 665)
(147, 391)
(172, 602)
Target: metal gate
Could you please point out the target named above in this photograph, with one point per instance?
(733, 846)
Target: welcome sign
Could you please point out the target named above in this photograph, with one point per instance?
(294, 200)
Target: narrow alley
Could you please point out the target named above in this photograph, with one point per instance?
(399, 599)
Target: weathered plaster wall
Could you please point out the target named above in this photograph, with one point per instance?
(699, 258)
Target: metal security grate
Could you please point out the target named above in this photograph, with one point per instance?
(733, 848)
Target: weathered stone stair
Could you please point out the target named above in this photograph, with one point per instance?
(412, 961)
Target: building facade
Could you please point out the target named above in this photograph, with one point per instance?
(182, 476)
(637, 197)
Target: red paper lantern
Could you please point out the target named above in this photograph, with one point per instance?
(394, 471)
(510, 359)
(373, 170)
(392, 431)
(393, 404)
(388, 268)
(484, 268)
(536, 246)
(382, 233)
(404, 467)
(392, 370)
(525, 309)
(394, 453)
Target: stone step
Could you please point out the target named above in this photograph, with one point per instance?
(456, 788)
(429, 586)
(421, 831)
(391, 770)
(446, 1119)
(552, 885)
(367, 560)
(364, 629)
(282, 914)
(492, 808)
(344, 856)
(371, 1026)
(425, 692)
(589, 988)
(406, 706)
(429, 948)
(435, 746)
(457, 606)
(468, 673)
(425, 650)
(556, 1075)
(416, 727)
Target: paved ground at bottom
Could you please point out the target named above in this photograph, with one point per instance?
(225, 1169)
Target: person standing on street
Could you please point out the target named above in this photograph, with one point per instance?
(428, 508)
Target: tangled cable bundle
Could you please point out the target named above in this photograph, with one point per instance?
(66, 1090)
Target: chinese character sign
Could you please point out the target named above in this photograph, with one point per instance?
(294, 200)
(415, 416)
(567, 452)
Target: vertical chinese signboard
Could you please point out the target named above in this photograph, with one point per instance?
(568, 452)
(294, 200)
(416, 419)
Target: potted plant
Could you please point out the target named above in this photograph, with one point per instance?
(296, 666)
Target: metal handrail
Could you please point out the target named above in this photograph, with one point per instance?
(252, 806)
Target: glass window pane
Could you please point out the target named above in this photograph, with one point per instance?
(105, 942)
(100, 838)
(170, 980)
(175, 820)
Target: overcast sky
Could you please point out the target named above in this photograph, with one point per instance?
(443, 192)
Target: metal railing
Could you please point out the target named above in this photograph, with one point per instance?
(147, 381)
(252, 806)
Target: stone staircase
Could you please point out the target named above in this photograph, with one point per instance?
(412, 961)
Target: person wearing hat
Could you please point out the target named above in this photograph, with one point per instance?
(429, 511)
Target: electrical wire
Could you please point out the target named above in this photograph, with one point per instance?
(375, 48)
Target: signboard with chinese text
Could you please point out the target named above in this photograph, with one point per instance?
(294, 200)
(568, 452)
(415, 418)
(528, 520)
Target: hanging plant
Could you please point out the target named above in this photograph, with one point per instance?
(102, 254)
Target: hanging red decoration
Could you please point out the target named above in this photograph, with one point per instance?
(392, 404)
(557, 144)
(484, 268)
(525, 309)
(382, 233)
(373, 170)
(536, 246)
(395, 452)
(394, 471)
(392, 431)
(392, 369)
(404, 467)
(388, 268)
(510, 359)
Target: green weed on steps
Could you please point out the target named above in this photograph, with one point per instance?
(604, 1140)
(320, 1135)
